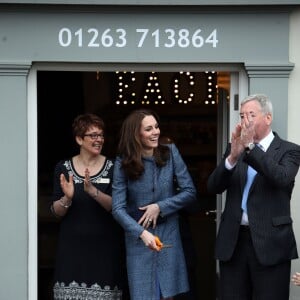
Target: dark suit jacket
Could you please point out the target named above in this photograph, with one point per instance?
(268, 202)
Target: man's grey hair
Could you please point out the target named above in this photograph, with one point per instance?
(263, 100)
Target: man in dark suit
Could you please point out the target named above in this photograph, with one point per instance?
(256, 242)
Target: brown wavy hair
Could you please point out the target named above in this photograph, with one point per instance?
(130, 146)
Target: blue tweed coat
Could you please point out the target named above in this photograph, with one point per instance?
(146, 269)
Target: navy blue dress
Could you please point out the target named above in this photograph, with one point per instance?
(89, 263)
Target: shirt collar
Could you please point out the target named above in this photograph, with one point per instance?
(266, 141)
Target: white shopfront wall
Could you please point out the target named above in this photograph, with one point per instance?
(259, 44)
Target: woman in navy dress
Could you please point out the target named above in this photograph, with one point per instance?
(89, 256)
(146, 202)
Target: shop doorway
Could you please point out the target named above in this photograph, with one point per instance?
(188, 104)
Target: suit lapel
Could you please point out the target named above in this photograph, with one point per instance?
(272, 150)
(243, 173)
(275, 145)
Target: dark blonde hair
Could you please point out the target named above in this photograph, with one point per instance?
(130, 147)
(83, 122)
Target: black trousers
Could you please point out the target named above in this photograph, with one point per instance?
(244, 278)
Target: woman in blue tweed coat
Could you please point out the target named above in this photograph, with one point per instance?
(145, 203)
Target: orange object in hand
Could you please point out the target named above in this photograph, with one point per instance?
(158, 242)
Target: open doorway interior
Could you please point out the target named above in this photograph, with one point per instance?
(187, 103)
